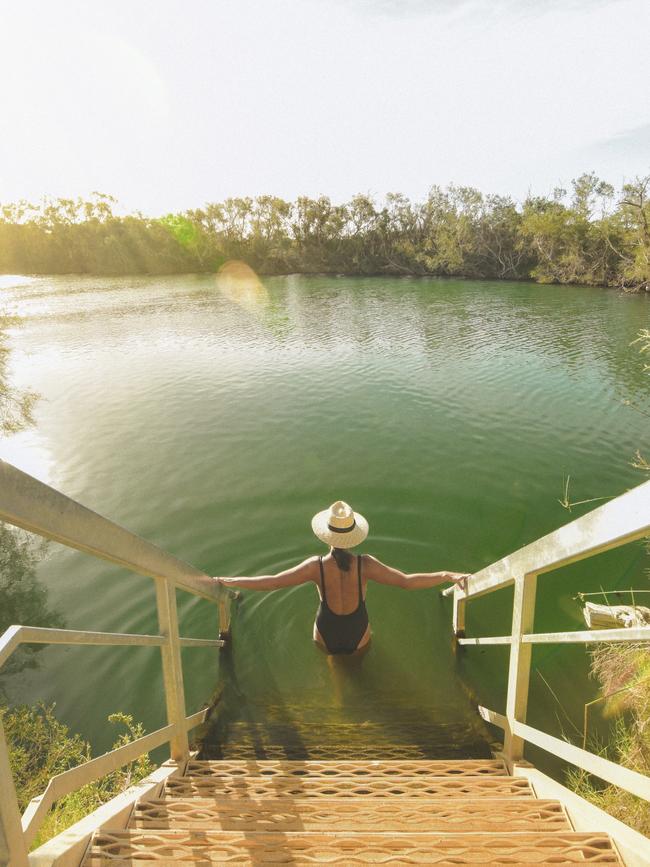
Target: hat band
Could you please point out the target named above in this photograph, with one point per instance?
(342, 529)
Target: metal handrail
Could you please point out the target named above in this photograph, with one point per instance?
(623, 520)
(74, 778)
(14, 636)
(636, 633)
(30, 504)
(632, 781)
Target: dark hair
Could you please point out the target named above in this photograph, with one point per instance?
(343, 558)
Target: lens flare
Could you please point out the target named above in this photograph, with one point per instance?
(240, 284)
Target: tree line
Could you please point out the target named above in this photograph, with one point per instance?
(588, 234)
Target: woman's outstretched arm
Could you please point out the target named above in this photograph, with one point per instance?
(300, 574)
(375, 570)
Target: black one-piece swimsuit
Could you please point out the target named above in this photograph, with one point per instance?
(341, 632)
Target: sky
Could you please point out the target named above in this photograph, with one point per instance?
(168, 104)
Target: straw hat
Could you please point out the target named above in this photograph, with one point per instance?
(339, 526)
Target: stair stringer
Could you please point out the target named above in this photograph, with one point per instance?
(68, 848)
(633, 848)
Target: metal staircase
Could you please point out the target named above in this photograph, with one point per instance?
(255, 801)
(348, 812)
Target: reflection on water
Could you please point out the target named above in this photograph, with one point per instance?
(447, 412)
(23, 598)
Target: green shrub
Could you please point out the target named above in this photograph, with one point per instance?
(40, 746)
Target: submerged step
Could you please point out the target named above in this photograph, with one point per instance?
(252, 785)
(261, 749)
(293, 739)
(362, 814)
(214, 847)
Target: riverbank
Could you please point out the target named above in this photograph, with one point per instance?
(588, 236)
(623, 674)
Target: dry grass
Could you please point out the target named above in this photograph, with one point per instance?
(624, 675)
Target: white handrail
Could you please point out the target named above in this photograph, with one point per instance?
(632, 781)
(14, 636)
(28, 503)
(74, 778)
(34, 506)
(623, 520)
(593, 636)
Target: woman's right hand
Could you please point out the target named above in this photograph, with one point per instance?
(460, 578)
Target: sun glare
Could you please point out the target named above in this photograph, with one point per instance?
(26, 451)
(240, 284)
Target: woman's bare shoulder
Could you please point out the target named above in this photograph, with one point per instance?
(375, 570)
(309, 566)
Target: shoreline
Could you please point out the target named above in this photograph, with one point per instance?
(337, 275)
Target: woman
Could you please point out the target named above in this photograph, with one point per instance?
(342, 620)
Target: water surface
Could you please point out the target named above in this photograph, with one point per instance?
(447, 412)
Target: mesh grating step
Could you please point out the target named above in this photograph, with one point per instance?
(276, 739)
(378, 768)
(215, 847)
(362, 814)
(341, 786)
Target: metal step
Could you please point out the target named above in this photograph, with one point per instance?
(378, 768)
(221, 847)
(360, 814)
(324, 785)
(413, 738)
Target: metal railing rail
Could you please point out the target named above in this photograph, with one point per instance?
(622, 520)
(28, 503)
(636, 633)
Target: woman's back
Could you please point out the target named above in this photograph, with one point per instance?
(342, 620)
(341, 587)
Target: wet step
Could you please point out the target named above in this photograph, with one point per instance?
(192, 847)
(411, 739)
(361, 814)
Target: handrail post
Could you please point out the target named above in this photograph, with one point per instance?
(172, 668)
(224, 617)
(460, 606)
(13, 848)
(523, 615)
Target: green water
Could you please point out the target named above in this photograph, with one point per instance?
(447, 412)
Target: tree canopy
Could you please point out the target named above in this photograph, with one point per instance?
(587, 235)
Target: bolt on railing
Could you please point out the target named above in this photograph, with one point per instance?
(28, 503)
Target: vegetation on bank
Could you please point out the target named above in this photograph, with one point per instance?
(40, 747)
(588, 235)
(623, 672)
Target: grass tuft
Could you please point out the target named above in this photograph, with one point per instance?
(623, 672)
